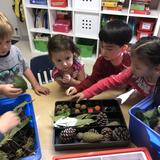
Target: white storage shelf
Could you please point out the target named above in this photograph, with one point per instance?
(86, 18)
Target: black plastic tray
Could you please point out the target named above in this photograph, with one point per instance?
(112, 110)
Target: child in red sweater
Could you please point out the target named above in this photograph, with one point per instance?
(114, 39)
(143, 75)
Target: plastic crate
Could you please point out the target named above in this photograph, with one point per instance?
(86, 47)
(141, 34)
(87, 4)
(42, 2)
(41, 44)
(86, 24)
(141, 134)
(7, 104)
(116, 154)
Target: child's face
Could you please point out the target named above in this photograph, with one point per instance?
(63, 60)
(5, 45)
(110, 51)
(140, 68)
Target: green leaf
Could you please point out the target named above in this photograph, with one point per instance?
(150, 113)
(113, 123)
(82, 122)
(56, 118)
(3, 156)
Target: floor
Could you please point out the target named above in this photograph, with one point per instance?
(25, 48)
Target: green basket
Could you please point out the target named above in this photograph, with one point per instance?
(41, 44)
(86, 47)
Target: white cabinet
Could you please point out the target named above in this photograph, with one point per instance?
(87, 17)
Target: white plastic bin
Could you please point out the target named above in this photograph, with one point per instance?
(87, 4)
(86, 24)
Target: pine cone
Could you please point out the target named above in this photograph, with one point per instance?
(67, 135)
(120, 134)
(107, 133)
(102, 119)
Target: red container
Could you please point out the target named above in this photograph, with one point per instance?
(146, 25)
(124, 154)
(59, 3)
(62, 25)
(141, 34)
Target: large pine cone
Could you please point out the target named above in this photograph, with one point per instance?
(107, 133)
(102, 119)
(67, 135)
(121, 134)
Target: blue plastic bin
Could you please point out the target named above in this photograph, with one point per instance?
(41, 2)
(142, 134)
(7, 104)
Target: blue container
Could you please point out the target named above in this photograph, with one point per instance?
(41, 2)
(7, 104)
(142, 134)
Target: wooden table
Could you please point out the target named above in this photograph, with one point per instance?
(44, 109)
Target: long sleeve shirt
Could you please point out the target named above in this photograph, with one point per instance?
(102, 69)
(114, 81)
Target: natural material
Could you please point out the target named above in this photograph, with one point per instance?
(97, 108)
(90, 137)
(93, 130)
(19, 82)
(19, 142)
(62, 110)
(107, 133)
(102, 119)
(67, 135)
(121, 134)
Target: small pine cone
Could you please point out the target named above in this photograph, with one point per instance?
(102, 119)
(121, 134)
(67, 135)
(93, 130)
(107, 133)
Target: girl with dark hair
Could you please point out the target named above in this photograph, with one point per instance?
(68, 70)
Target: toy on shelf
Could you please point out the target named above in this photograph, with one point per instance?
(112, 4)
(140, 7)
(146, 27)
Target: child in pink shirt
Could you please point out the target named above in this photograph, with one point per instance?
(68, 70)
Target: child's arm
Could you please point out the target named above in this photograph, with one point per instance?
(36, 86)
(104, 84)
(9, 90)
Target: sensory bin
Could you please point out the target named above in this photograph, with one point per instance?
(79, 125)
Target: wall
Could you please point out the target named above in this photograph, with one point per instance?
(6, 7)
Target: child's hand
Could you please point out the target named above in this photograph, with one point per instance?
(79, 96)
(41, 90)
(71, 91)
(8, 121)
(66, 78)
(9, 90)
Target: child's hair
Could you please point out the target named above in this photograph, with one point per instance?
(6, 28)
(147, 49)
(60, 43)
(116, 32)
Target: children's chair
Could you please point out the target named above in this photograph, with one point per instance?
(41, 67)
